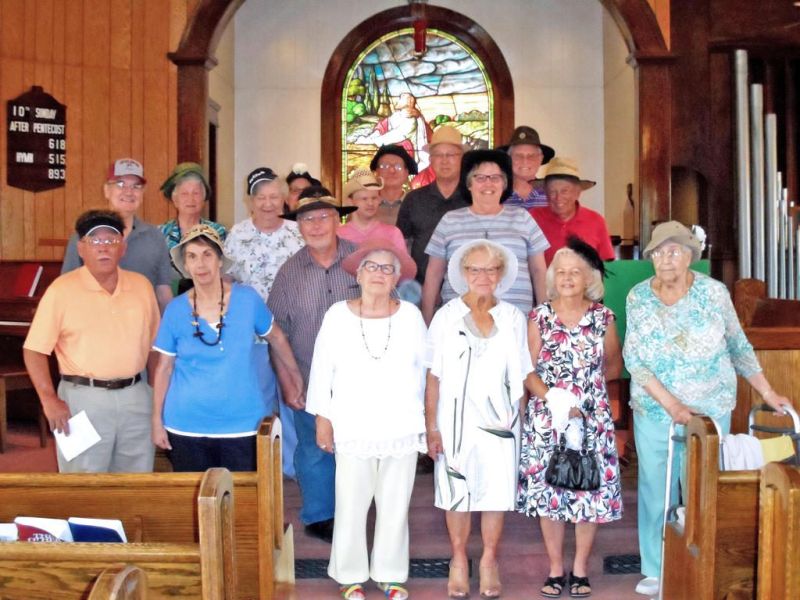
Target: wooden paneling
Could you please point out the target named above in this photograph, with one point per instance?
(107, 61)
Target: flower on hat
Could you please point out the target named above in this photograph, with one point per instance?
(700, 234)
(299, 168)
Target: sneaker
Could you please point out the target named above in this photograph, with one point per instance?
(648, 586)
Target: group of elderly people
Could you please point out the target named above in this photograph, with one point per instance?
(489, 389)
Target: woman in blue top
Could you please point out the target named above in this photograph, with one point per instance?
(683, 347)
(210, 390)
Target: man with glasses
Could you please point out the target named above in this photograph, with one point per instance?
(423, 208)
(527, 155)
(393, 165)
(146, 248)
(306, 286)
(101, 321)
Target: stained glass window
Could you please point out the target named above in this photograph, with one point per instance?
(392, 95)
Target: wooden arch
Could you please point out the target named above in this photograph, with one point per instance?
(379, 24)
(635, 18)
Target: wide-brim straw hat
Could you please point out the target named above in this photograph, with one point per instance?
(408, 268)
(195, 232)
(315, 197)
(674, 231)
(446, 134)
(562, 167)
(362, 180)
(528, 135)
(456, 276)
(476, 157)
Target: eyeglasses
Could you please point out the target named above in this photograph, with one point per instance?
(121, 185)
(93, 241)
(388, 167)
(373, 266)
(309, 219)
(671, 253)
(481, 178)
(445, 155)
(475, 271)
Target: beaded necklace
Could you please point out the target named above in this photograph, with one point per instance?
(364, 336)
(196, 317)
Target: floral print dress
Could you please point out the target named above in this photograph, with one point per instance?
(571, 359)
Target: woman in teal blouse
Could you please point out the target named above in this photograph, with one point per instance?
(683, 348)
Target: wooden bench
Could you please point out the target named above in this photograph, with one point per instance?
(779, 533)
(161, 507)
(714, 554)
(125, 582)
(178, 561)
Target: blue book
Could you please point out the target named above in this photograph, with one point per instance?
(96, 530)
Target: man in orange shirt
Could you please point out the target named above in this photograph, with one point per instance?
(101, 321)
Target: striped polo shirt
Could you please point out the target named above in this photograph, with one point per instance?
(512, 227)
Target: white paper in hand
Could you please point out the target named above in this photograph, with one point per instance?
(82, 436)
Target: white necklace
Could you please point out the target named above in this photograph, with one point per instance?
(364, 336)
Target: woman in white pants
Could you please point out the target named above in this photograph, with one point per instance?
(366, 389)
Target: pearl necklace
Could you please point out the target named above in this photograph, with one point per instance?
(364, 336)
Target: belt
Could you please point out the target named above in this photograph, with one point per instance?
(107, 384)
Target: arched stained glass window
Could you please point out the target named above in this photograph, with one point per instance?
(392, 95)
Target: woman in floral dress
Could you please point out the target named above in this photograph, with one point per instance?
(575, 349)
(258, 247)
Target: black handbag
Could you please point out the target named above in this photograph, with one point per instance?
(573, 469)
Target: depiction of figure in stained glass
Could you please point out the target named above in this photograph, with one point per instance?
(394, 96)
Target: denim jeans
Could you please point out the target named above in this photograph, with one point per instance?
(315, 470)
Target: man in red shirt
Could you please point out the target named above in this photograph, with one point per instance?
(564, 216)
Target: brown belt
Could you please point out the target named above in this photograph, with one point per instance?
(106, 384)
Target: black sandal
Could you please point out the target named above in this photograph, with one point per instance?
(554, 583)
(576, 583)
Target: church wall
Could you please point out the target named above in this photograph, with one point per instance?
(554, 50)
(106, 61)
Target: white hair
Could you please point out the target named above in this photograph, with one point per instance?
(594, 288)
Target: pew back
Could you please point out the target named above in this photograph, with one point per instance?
(715, 551)
(125, 582)
(779, 533)
(199, 568)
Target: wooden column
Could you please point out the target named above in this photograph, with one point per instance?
(654, 119)
(193, 108)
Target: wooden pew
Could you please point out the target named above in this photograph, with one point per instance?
(161, 507)
(779, 533)
(773, 328)
(714, 554)
(125, 582)
(178, 563)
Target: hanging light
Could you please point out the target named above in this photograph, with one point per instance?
(420, 26)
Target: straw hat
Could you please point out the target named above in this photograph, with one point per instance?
(362, 179)
(195, 232)
(315, 197)
(562, 167)
(446, 134)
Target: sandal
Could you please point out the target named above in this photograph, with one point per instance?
(393, 591)
(352, 592)
(458, 582)
(576, 584)
(554, 583)
(490, 585)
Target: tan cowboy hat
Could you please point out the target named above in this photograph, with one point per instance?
(562, 167)
(446, 134)
(361, 179)
(315, 197)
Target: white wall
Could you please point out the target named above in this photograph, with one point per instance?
(554, 50)
(221, 90)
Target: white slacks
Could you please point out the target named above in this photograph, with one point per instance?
(390, 482)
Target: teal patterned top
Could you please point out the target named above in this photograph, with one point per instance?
(694, 348)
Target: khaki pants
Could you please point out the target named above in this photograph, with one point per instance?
(122, 418)
(390, 482)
